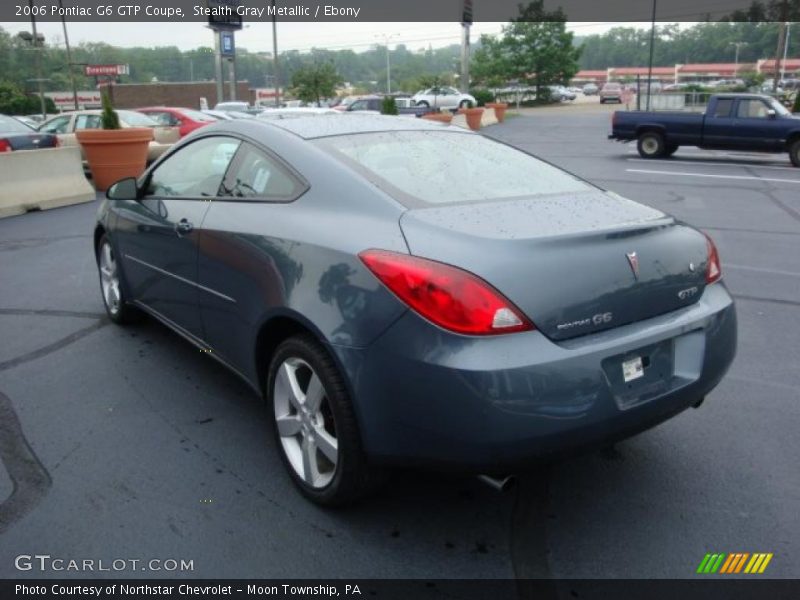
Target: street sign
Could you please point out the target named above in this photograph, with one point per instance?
(226, 46)
(466, 13)
(112, 70)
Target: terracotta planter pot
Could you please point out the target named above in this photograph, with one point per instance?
(440, 117)
(499, 110)
(114, 154)
(473, 117)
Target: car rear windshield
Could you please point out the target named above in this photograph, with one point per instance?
(136, 119)
(10, 125)
(439, 167)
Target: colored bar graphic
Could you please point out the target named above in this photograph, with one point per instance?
(727, 564)
(703, 563)
(765, 563)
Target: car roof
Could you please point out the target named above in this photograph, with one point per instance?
(354, 123)
(330, 125)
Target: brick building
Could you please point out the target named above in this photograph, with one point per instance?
(185, 94)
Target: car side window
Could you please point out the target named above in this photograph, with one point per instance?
(194, 171)
(256, 176)
(751, 109)
(358, 105)
(723, 108)
(88, 122)
(57, 125)
(162, 118)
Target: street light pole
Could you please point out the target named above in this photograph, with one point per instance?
(650, 65)
(785, 50)
(386, 38)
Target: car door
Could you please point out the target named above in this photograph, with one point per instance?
(61, 127)
(244, 257)
(157, 235)
(757, 129)
(719, 124)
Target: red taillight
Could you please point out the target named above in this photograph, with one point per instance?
(713, 266)
(5, 146)
(447, 296)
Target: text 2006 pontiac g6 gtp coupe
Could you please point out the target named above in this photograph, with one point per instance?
(406, 293)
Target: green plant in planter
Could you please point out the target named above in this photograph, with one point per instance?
(796, 107)
(469, 104)
(110, 118)
(482, 96)
(389, 106)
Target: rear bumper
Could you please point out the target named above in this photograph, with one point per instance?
(427, 397)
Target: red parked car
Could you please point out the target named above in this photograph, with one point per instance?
(185, 119)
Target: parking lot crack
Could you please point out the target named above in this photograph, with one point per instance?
(31, 480)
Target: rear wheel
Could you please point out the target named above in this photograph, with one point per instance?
(650, 144)
(794, 152)
(463, 104)
(315, 424)
(423, 103)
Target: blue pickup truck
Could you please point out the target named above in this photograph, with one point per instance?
(749, 122)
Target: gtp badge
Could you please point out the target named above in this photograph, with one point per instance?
(633, 260)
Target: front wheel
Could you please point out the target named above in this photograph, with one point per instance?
(650, 144)
(794, 152)
(423, 103)
(111, 285)
(315, 424)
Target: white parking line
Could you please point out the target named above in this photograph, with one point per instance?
(739, 177)
(712, 164)
(761, 270)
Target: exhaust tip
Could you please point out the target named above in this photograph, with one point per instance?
(501, 484)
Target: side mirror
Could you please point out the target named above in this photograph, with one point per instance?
(771, 113)
(124, 189)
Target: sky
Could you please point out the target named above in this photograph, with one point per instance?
(257, 36)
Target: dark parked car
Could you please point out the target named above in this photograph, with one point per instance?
(403, 293)
(16, 135)
(750, 122)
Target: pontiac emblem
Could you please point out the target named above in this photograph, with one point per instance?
(633, 260)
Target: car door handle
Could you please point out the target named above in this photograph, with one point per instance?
(183, 226)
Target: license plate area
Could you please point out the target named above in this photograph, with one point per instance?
(641, 375)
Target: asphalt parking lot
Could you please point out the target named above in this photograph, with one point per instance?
(128, 443)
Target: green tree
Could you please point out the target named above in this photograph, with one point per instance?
(314, 82)
(535, 48)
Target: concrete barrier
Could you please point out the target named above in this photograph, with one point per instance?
(42, 179)
(489, 117)
(459, 121)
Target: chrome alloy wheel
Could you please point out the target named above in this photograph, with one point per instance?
(109, 279)
(305, 423)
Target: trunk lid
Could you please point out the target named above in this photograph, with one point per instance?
(563, 259)
(30, 141)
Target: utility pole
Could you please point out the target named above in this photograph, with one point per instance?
(652, 44)
(275, 57)
(38, 61)
(785, 50)
(69, 55)
(737, 45)
(466, 23)
(781, 40)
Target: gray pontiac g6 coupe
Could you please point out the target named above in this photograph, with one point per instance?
(406, 293)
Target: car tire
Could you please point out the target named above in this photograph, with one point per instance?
(423, 103)
(650, 144)
(111, 286)
(318, 438)
(794, 152)
(463, 104)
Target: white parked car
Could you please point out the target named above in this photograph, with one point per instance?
(442, 97)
